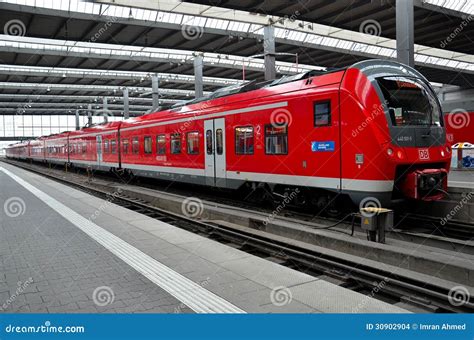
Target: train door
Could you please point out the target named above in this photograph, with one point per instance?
(215, 161)
(99, 149)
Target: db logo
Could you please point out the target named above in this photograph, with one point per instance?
(424, 154)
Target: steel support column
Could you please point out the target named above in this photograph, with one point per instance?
(105, 109)
(155, 92)
(269, 52)
(198, 80)
(77, 120)
(126, 107)
(405, 32)
(89, 114)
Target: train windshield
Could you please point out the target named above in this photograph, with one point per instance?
(410, 102)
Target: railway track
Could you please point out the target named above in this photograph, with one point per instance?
(379, 283)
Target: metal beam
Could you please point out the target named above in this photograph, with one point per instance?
(66, 106)
(198, 81)
(89, 115)
(269, 52)
(155, 94)
(60, 72)
(105, 109)
(405, 32)
(90, 88)
(126, 106)
(81, 100)
(78, 125)
(52, 111)
(15, 138)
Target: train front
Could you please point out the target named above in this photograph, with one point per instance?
(407, 127)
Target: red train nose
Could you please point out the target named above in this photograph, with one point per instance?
(425, 184)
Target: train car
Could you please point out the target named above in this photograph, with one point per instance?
(36, 149)
(18, 150)
(374, 129)
(95, 147)
(56, 148)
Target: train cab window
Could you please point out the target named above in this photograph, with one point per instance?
(176, 143)
(192, 142)
(161, 144)
(276, 139)
(106, 146)
(135, 145)
(322, 113)
(219, 142)
(244, 140)
(125, 146)
(113, 146)
(148, 145)
(209, 142)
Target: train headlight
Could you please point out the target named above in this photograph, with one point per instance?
(400, 154)
(448, 149)
(389, 152)
(443, 153)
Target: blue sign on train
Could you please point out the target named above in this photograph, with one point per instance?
(322, 146)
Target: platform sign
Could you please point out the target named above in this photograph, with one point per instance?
(322, 146)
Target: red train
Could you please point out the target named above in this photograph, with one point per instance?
(374, 129)
(459, 126)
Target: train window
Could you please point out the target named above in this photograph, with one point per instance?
(161, 144)
(219, 142)
(106, 146)
(276, 139)
(113, 146)
(176, 143)
(148, 145)
(244, 140)
(125, 146)
(135, 145)
(192, 141)
(84, 147)
(322, 113)
(209, 142)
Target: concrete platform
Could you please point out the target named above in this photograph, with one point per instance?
(461, 179)
(62, 250)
